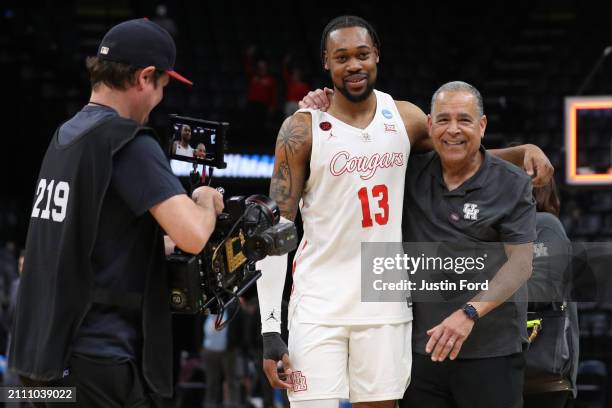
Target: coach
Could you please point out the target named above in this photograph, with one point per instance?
(461, 193)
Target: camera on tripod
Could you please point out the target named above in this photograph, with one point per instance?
(247, 231)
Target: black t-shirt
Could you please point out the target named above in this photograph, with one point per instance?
(494, 205)
(141, 178)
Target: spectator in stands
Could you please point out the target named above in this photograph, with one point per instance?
(549, 289)
(222, 359)
(262, 85)
(261, 93)
(296, 87)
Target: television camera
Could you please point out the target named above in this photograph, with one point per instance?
(248, 230)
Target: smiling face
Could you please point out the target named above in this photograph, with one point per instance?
(200, 151)
(456, 126)
(351, 58)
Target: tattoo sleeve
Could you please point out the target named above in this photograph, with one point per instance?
(292, 154)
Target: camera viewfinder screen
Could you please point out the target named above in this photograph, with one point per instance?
(192, 142)
(195, 142)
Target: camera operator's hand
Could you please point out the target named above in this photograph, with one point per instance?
(208, 197)
(275, 352)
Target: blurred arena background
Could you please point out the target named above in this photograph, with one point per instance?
(250, 60)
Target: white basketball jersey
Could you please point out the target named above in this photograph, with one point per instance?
(184, 151)
(354, 194)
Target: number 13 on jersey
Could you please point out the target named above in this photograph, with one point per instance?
(380, 196)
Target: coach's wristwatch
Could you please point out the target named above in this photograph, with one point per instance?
(470, 311)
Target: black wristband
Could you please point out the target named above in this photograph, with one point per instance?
(273, 346)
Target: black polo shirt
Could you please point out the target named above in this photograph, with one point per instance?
(494, 205)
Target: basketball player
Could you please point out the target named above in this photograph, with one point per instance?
(347, 167)
(182, 146)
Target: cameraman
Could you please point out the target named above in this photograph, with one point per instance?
(92, 310)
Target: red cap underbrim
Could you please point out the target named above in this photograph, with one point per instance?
(179, 77)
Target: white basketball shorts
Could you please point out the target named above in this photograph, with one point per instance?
(360, 363)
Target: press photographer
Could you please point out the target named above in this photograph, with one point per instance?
(92, 311)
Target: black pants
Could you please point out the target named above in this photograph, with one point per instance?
(100, 384)
(466, 383)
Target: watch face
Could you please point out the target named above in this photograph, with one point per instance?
(470, 311)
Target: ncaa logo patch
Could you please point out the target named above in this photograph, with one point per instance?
(387, 113)
(104, 50)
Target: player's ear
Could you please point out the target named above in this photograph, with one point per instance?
(377, 54)
(325, 66)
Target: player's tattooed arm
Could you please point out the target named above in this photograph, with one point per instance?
(416, 126)
(292, 156)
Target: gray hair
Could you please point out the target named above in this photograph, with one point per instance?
(459, 86)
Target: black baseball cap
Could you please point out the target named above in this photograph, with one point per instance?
(141, 43)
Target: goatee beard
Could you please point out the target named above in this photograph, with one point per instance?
(360, 97)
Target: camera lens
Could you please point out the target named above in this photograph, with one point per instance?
(258, 246)
(267, 206)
